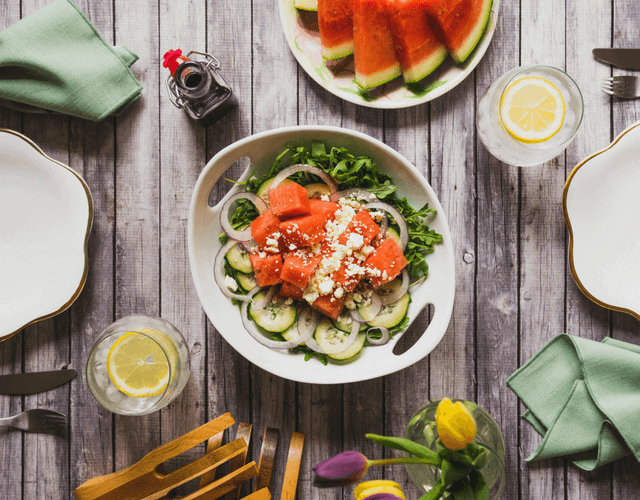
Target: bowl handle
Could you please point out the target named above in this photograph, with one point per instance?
(437, 326)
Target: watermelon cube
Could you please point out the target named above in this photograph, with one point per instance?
(298, 268)
(329, 305)
(267, 268)
(362, 224)
(289, 200)
(302, 231)
(325, 208)
(266, 227)
(348, 274)
(289, 290)
(385, 263)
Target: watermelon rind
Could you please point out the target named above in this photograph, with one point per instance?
(376, 79)
(338, 51)
(311, 5)
(460, 55)
(425, 67)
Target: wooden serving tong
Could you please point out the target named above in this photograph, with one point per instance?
(148, 480)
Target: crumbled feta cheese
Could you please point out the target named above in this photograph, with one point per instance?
(325, 287)
(339, 292)
(292, 247)
(324, 197)
(230, 283)
(289, 301)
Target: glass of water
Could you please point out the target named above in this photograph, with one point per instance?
(138, 365)
(529, 115)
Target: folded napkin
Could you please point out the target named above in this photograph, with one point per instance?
(583, 397)
(55, 60)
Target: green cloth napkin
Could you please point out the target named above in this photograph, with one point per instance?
(583, 397)
(55, 60)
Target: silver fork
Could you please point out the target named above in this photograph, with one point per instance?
(37, 420)
(626, 87)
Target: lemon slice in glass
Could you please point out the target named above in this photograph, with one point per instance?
(532, 109)
(138, 366)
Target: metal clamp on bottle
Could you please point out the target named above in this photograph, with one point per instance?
(197, 86)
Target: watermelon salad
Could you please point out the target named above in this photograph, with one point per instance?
(390, 38)
(320, 253)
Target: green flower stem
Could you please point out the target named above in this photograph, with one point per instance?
(405, 460)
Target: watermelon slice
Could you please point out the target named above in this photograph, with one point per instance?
(373, 48)
(335, 22)
(306, 4)
(417, 47)
(459, 24)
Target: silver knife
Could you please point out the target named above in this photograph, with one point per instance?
(623, 58)
(32, 383)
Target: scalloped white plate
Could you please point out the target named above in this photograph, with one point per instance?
(204, 228)
(304, 42)
(47, 212)
(601, 203)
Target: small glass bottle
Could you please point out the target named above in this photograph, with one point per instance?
(197, 86)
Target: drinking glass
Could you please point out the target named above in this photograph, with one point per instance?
(167, 350)
(507, 148)
(422, 430)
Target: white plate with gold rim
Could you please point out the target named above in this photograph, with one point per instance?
(47, 212)
(303, 38)
(601, 203)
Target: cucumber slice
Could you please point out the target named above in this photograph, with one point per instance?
(329, 338)
(247, 281)
(276, 316)
(392, 314)
(238, 258)
(263, 190)
(292, 332)
(344, 323)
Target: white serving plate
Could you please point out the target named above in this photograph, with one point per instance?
(304, 42)
(601, 203)
(204, 228)
(47, 212)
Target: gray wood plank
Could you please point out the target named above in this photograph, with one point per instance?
(319, 407)
(137, 200)
(497, 275)
(453, 178)
(11, 350)
(92, 155)
(583, 317)
(182, 154)
(408, 132)
(542, 257)
(626, 33)
(46, 457)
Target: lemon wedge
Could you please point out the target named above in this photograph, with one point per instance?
(532, 109)
(138, 366)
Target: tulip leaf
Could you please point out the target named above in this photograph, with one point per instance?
(434, 493)
(403, 445)
(462, 490)
(453, 472)
(479, 486)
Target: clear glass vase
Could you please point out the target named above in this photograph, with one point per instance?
(422, 429)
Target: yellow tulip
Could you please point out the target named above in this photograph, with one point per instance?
(456, 426)
(377, 487)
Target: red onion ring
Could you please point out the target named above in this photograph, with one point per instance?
(395, 296)
(402, 224)
(256, 305)
(250, 245)
(355, 316)
(354, 193)
(382, 340)
(373, 309)
(242, 235)
(218, 273)
(251, 327)
(302, 167)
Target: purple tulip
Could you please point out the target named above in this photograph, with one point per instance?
(383, 496)
(344, 469)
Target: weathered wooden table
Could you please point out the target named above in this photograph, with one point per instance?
(514, 287)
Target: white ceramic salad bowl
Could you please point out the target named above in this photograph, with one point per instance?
(43, 243)
(204, 229)
(601, 206)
